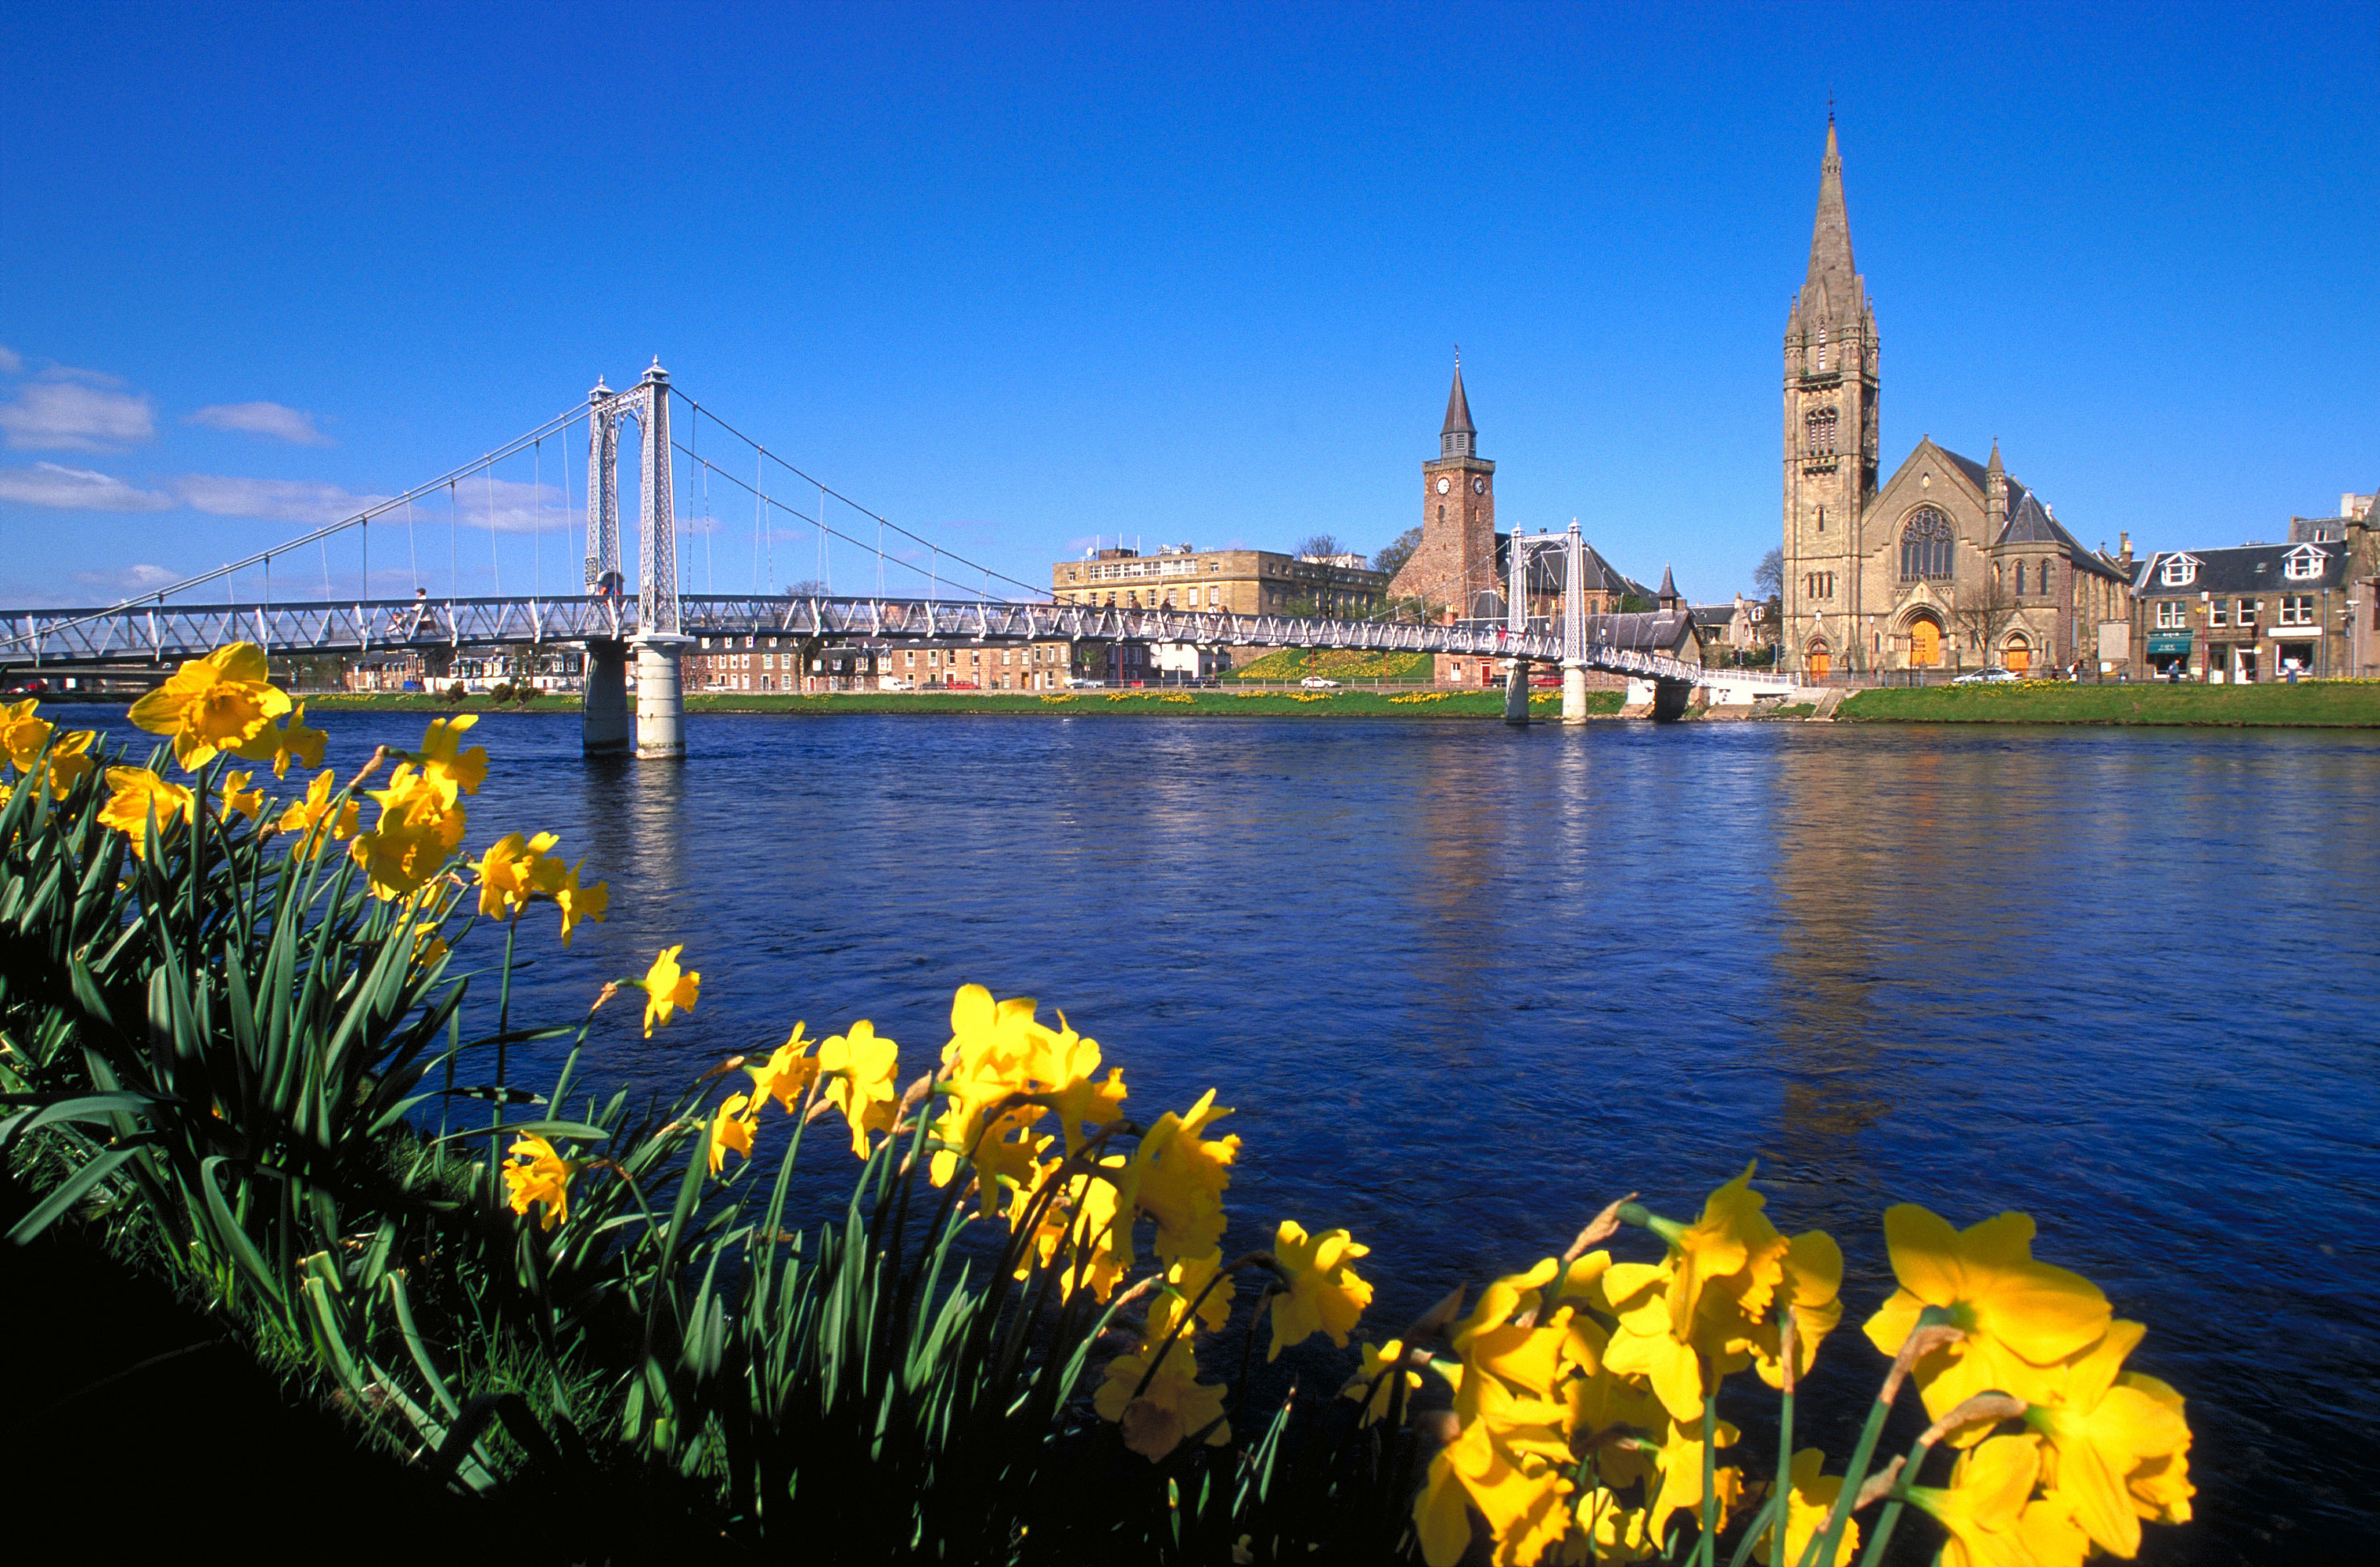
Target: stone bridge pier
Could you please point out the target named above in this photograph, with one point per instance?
(606, 729)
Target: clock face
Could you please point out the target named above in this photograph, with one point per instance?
(1479, 487)
(1443, 484)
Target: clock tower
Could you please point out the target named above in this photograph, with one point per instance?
(1455, 561)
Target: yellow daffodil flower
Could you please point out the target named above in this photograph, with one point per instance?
(23, 734)
(443, 759)
(138, 793)
(1985, 1505)
(1080, 1218)
(731, 1127)
(578, 902)
(312, 817)
(1158, 1418)
(1618, 1533)
(1323, 1292)
(280, 744)
(1177, 1176)
(859, 1067)
(1186, 1285)
(2099, 1431)
(535, 1173)
(419, 825)
(2160, 1486)
(515, 872)
(239, 799)
(1681, 1466)
(667, 989)
(1375, 1385)
(217, 703)
(2021, 1317)
(2048, 1531)
(787, 1075)
(1512, 1473)
(1808, 1504)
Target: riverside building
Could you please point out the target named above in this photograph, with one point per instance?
(1235, 581)
(2261, 612)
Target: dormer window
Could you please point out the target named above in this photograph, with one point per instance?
(2180, 572)
(2303, 563)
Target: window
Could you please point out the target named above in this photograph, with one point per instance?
(1925, 545)
(2020, 580)
(1819, 585)
(2171, 614)
(2216, 614)
(1818, 432)
(2247, 611)
(2296, 609)
(2303, 563)
(2180, 572)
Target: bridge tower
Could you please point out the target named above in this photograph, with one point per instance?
(660, 727)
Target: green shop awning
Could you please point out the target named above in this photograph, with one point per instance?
(2168, 644)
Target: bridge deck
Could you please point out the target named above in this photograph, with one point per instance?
(162, 634)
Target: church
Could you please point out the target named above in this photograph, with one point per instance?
(1950, 564)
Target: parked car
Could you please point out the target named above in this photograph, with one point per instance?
(1991, 676)
(960, 686)
(896, 683)
(1318, 683)
(1077, 682)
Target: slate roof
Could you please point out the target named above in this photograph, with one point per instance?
(1657, 632)
(1458, 407)
(2253, 568)
(1972, 468)
(1713, 614)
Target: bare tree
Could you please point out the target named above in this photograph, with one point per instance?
(1396, 551)
(1768, 576)
(1984, 611)
(1320, 551)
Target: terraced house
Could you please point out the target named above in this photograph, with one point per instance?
(2261, 612)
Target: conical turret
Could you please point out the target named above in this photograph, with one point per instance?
(1458, 437)
(1832, 291)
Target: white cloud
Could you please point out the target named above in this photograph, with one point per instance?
(261, 419)
(270, 499)
(76, 490)
(129, 582)
(66, 415)
(509, 508)
(10, 362)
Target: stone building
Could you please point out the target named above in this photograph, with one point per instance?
(1950, 562)
(1453, 567)
(1239, 581)
(2261, 612)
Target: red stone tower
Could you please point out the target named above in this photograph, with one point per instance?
(1455, 562)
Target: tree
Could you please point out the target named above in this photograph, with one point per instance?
(1984, 611)
(1316, 550)
(805, 648)
(1320, 544)
(1768, 576)
(1396, 551)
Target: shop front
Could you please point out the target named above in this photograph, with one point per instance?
(2168, 654)
(2294, 655)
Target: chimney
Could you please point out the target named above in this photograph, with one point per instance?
(2124, 542)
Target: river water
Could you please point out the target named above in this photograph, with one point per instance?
(1465, 985)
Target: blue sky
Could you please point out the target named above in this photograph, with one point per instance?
(1017, 277)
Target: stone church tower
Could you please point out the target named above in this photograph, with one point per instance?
(1831, 431)
(1455, 561)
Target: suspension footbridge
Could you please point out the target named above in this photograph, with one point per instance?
(651, 622)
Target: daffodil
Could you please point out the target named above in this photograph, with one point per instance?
(442, 758)
(419, 825)
(1616, 1532)
(1375, 1384)
(535, 1173)
(138, 794)
(1158, 1410)
(1321, 1293)
(577, 902)
(282, 743)
(2100, 1431)
(239, 799)
(2160, 1486)
(788, 1073)
(515, 872)
(731, 1127)
(1075, 1228)
(1985, 1506)
(667, 989)
(314, 818)
(2020, 1317)
(217, 703)
(1809, 1503)
(1177, 1176)
(1511, 1470)
(1199, 1284)
(1681, 1466)
(23, 734)
(858, 1067)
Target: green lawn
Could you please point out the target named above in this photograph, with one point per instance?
(1338, 664)
(2326, 704)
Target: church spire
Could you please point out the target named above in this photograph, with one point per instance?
(1831, 291)
(1458, 437)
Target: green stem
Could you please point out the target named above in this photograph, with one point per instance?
(1784, 1497)
(1707, 1550)
(1895, 1501)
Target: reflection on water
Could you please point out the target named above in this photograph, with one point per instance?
(1465, 985)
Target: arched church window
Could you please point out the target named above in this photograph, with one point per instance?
(2020, 580)
(1819, 432)
(1926, 542)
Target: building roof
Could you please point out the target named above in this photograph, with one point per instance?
(1712, 614)
(1657, 631)
(1458, 407)
(1833, 289)
(1977, 474)
(2029, 523)
(2251, 568)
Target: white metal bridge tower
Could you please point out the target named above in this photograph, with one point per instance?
(660, 729)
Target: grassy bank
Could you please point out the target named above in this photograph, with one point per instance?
(1151, 703)
(2323, 704)
(1337, 664)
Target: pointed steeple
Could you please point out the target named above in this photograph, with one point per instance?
(1832, 290)
(1668, 593)
(1458, 437)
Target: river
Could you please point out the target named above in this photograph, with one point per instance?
(1465, 985)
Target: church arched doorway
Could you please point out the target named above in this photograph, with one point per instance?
(1816, 660)
(1925, 643)
(2017, 657)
